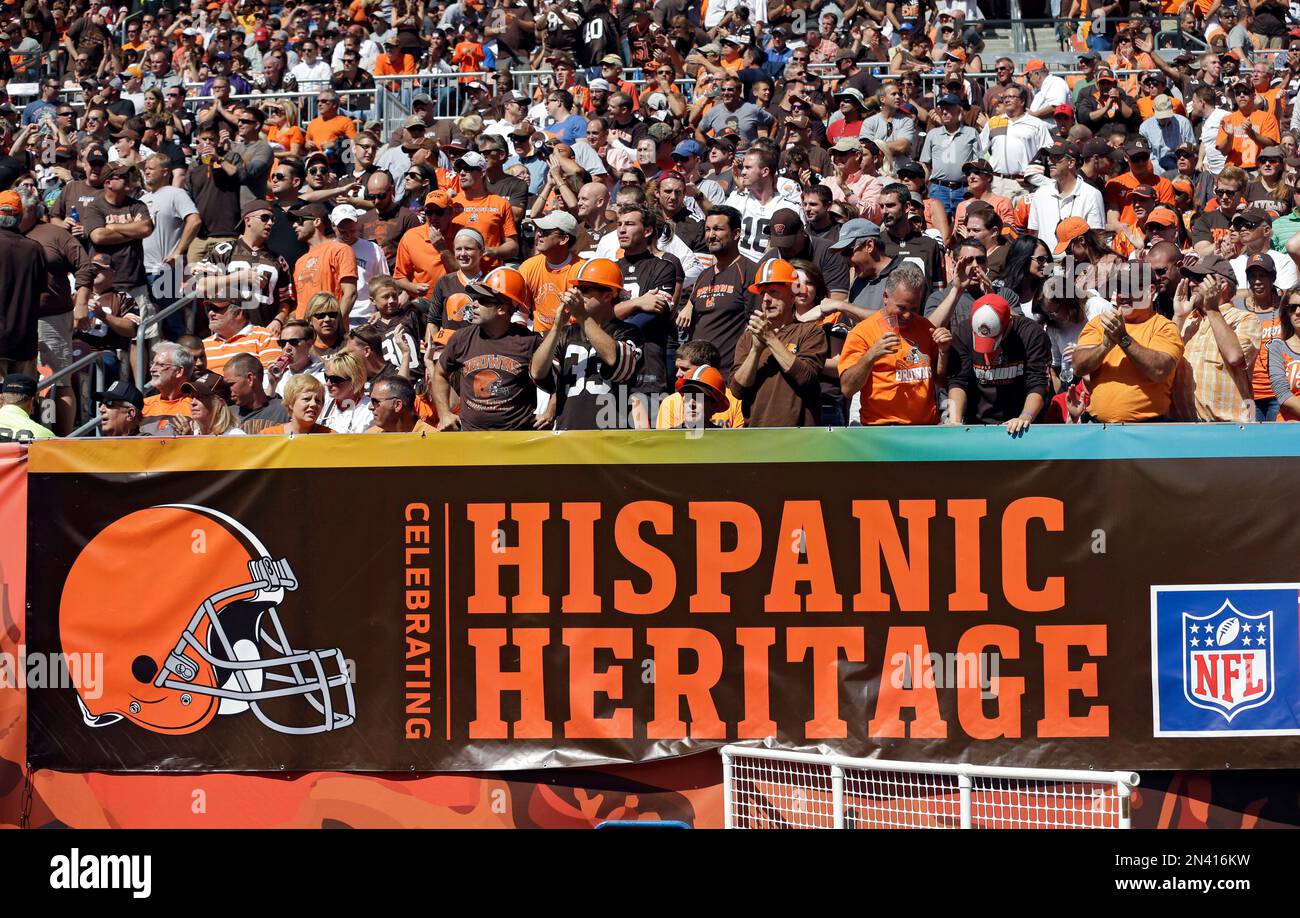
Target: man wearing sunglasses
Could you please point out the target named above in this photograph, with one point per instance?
(1065, 196)
(247, 271)
(1247, 130)
(329, 266)
(1212, 229)
(1141, 174)
(295, 341)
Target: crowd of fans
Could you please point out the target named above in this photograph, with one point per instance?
(644, 214)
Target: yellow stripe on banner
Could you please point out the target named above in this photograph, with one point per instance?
(198, 454)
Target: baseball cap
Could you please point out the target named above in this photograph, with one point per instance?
(786, 224)
(471, 160)
(847, 145)
(612, 59)
(977, 165)
(19, 384)
(855, 231)
(687, 148)
(96, 156)
(253, 206)
(437, 199)
(1143, 191)
(725, 140)
(955, 54)
(1068, 230)
(1251, 219)
(205, 386)
(910, 168)
(314, 157)
(1090, 56)
(11, 204)
(706, 379)
(844, 54)
(952, 99)
(1187, 149)
(1136, 147)
(595, 85)
(119, 168)
(414, 121)
(1215, 264)
(990, 317)
(558, 220)
(1095, 148)
(1162, 216)
(344, 212)
(1263, 262)
(101, 261)
(122, 391)
(478, 85)
(1064, 149)
(421, 98)
(1105, 74)
(660, 132)
(1163, 107)
(1064, 110)
(1184, 186)
(732, 40)
(1034, 64)
(309, 212)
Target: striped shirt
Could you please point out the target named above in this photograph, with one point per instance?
(1206, 389)
(251, 339)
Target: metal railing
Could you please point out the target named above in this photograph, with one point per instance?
(48, 409)
(142, 334)
(776, 789)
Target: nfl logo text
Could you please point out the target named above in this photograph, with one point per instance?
(1225, 659)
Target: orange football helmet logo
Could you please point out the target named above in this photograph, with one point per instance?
(204, 639)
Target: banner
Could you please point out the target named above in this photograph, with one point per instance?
(13, 596)
(1082, 596)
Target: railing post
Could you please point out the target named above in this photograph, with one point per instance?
(728, 791)
(1125, 792)
(964, 786)
(837, 796)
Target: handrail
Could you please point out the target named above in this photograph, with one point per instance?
(48, 381)
(142, 333)
(92, 424)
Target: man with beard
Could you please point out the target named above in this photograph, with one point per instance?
(721, 303)
(902, 239)
(791, 240)
(245, 270)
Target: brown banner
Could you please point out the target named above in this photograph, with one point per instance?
(620, 599)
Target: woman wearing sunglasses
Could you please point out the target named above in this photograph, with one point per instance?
(1029, 263)
(345, 381)
(326, 319)
(282, 130)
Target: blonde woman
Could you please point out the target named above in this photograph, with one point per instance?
(325, 316)
(304, 397)
(210, 414)
(350, 411)
(282, 131)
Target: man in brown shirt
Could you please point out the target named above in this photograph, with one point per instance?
(779, 360)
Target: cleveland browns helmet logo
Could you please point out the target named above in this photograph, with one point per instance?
(487, 384)
(205, 638)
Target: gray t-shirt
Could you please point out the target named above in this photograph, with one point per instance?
(749, 118)
(885, 131)
(169, 207)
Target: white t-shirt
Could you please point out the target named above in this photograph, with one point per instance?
(371, 263)
(1047, 208)
(357, 419)
(1054, 91)
(1012, 144)
(756, 218)
(1214, 160)
(312, 77)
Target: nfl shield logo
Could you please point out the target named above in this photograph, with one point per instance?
(1228, 660)
(1225, 659)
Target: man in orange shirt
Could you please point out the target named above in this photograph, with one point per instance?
(1247, 130)
(1130, 356)
(549, 273)
(1119, 190)
(490, 214)
(328, 265)
(233, 334)
(424, 253)
(329, 126)
(894, 357)
(172, 365)
(393, 61)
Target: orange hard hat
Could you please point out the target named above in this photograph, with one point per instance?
(775, 271)
(707, 379)
(506, 282)
(599, 271)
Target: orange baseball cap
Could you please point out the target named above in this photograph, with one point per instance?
(437, 199)
(1162, 216)
(1035, 64)
(1070, 229)
(11, 205)
(1184, 186)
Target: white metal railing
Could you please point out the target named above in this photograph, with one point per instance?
(780, 789)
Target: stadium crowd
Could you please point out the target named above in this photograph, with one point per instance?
(646, 213)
